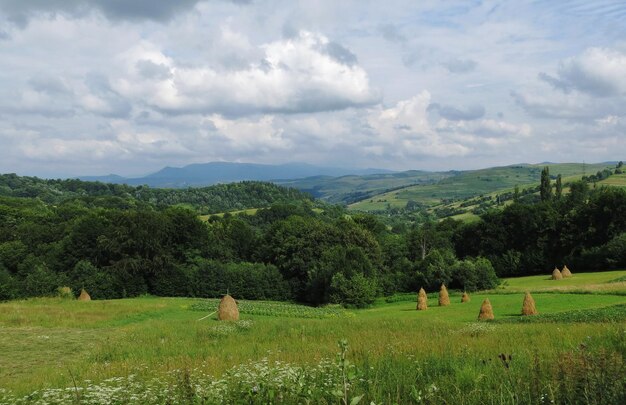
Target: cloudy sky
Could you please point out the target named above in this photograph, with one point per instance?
(114, 86)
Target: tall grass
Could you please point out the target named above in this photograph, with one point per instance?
(154, 350)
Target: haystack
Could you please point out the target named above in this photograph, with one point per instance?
(486, 311)
(465, 298)
(556, 274)
(422, 300)
(444, 299)
(565, 272)
(84, 296)
(227, 310)
(65, 292)
(528, 307)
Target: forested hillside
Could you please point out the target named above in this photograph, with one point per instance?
(290, 251)
(206, 200)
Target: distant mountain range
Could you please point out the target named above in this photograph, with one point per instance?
(206, 174)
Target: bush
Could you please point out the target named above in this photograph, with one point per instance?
(8, 289)
(40, 281)
(356, 291)
(474, 274)
(98, 282)
(253, 281)
(172, 281)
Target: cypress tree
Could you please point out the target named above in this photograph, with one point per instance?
(558, 188)
(546, 188)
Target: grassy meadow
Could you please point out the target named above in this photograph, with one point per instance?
(160, 350)
(485, 182)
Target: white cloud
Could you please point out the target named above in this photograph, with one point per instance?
(295, 75)
(597, 71)
(95, 87)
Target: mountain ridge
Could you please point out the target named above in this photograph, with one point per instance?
(206, 174)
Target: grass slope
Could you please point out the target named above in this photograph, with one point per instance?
(347, 189)
(52, 342)
(467, 184)
(616, 180)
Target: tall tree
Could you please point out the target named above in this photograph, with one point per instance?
(546, 188)
(559, 187)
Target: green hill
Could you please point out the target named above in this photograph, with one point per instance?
(350, 189)
(471, 188)
(206, 200)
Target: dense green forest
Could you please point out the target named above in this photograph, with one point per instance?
(121, 244)
(205, 200)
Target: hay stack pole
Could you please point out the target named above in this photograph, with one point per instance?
(227, 310)
(565, 272)
(84, 296)
(528, 307)
(422, 300)
(465, 298)
(444, 298)
(486, 311)
(556, 274)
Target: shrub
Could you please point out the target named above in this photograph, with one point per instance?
(254, 281)
(356, 291)
(98, 282)
(8, 288)
(474, 274)
(40, 282)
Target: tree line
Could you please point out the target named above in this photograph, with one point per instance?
(205, 200)
(290, 251)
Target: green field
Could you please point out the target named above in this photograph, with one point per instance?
(616, 180)
(123, 349)
(473, 183)
(351, 188)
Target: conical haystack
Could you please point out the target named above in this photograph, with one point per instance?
(556, 274)
(444, 298)
(228, 311)
(84, 296)
(465, 297)
(486, 311)
(528, 307)
(565, 272)
(422, 300)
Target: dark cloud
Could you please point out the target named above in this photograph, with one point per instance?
(340, 54)
(4, 36)
(460, 65)
(49, 85)
(555, 82)
(151, 70)
(557, 108)
(20, 11)
(112, 104)
(472, 112)
(599, 72)
(391, 33)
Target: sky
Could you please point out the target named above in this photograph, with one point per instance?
(94, 87)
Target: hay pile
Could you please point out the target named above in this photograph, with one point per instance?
(486, 311)
(465, 298)
(227, 310)
(556, 274)
(444, 299)
(528, 307)
(65, 292)
(84, 296)
(422, 300)
(565, 272)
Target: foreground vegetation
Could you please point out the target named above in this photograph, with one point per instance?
(156, 350)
